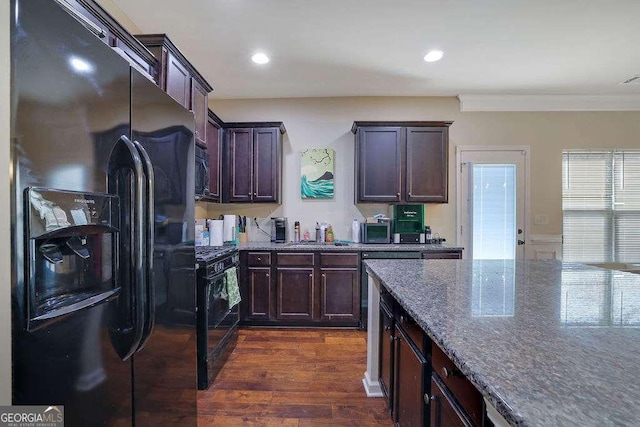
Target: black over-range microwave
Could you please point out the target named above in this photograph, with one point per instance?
(202, 173)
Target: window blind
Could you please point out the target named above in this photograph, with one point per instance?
(601, 206)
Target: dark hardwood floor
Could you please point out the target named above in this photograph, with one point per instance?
(293, 377)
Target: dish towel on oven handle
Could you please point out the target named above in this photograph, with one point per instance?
(233, 291)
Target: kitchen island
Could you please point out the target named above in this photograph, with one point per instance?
(546, 343)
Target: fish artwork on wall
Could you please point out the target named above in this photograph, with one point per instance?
(316, 168)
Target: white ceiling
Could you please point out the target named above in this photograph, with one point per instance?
(375, 47)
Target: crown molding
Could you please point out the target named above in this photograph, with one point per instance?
(549, 103)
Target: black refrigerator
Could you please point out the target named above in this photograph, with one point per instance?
(103, 260)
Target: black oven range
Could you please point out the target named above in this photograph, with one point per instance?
(217, 323)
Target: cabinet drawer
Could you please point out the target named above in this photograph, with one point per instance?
(412, 329)
(464, 392)
(295, 259)
(339, 259)
(441, 255)
(259, 259)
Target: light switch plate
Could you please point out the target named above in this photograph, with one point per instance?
(541, 219)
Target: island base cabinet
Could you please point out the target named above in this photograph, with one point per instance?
(386, 354)
(295, 294)
(445, 412)
(410, 383)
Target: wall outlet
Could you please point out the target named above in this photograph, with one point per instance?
(541, 219)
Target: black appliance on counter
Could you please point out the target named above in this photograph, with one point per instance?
(279, 230)
(217, 322)
(102, 199)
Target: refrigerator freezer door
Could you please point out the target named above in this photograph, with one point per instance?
(68, 89)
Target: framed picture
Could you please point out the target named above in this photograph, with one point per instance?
(316, 171)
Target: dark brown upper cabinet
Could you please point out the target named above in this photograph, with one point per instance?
(399, 162)
(178, 77)
(105, 27)
(252, 166)
(214, 151)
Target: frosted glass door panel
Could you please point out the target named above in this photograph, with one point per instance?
(494, 211)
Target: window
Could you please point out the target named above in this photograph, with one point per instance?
(601, 206)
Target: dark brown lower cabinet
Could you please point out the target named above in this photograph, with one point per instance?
(340, 299)
(310, 288)
(259, 289)
(410, 382)
(386, 353)
(445, 411)
(294, 293)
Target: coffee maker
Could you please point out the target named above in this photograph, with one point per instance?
(279, 228)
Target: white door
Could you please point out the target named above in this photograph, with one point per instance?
(492, 202)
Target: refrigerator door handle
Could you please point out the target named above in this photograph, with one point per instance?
(149, 320)
(126, 178)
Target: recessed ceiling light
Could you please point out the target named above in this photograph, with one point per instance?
(433, 56)
(80, 65)
(260, 58)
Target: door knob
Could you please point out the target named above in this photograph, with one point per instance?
(519, 230)
(520, 242)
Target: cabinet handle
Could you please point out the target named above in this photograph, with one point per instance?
(428, 399)
(398, 195)
(255, 194)
(249, 194)
(387, 328)
(267, 275)
(455, 372)
(259, 259)
(392, 338)
(409, 194)
(402, 318)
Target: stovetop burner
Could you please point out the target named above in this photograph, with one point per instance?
(212, 253)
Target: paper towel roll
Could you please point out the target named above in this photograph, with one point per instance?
(215, 232)
(230, 222)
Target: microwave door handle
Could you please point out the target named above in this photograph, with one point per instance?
(124, 157)
(148, 200)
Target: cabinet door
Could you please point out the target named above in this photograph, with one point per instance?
(199, 106)
(259, 293)
(386, 354)
(266, 154)
(426, 167)
(214, 148)
(378, 158)
(340, 294)
(410, 386)
(445, 412)
(239, 162)
(178, 84)
(295, 294)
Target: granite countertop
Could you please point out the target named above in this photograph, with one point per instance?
(547, 343)
(351, 247)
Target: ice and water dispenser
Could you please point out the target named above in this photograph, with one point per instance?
(72, 250)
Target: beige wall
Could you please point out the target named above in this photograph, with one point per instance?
(119, 16)
(326, 122)
(5, 239)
